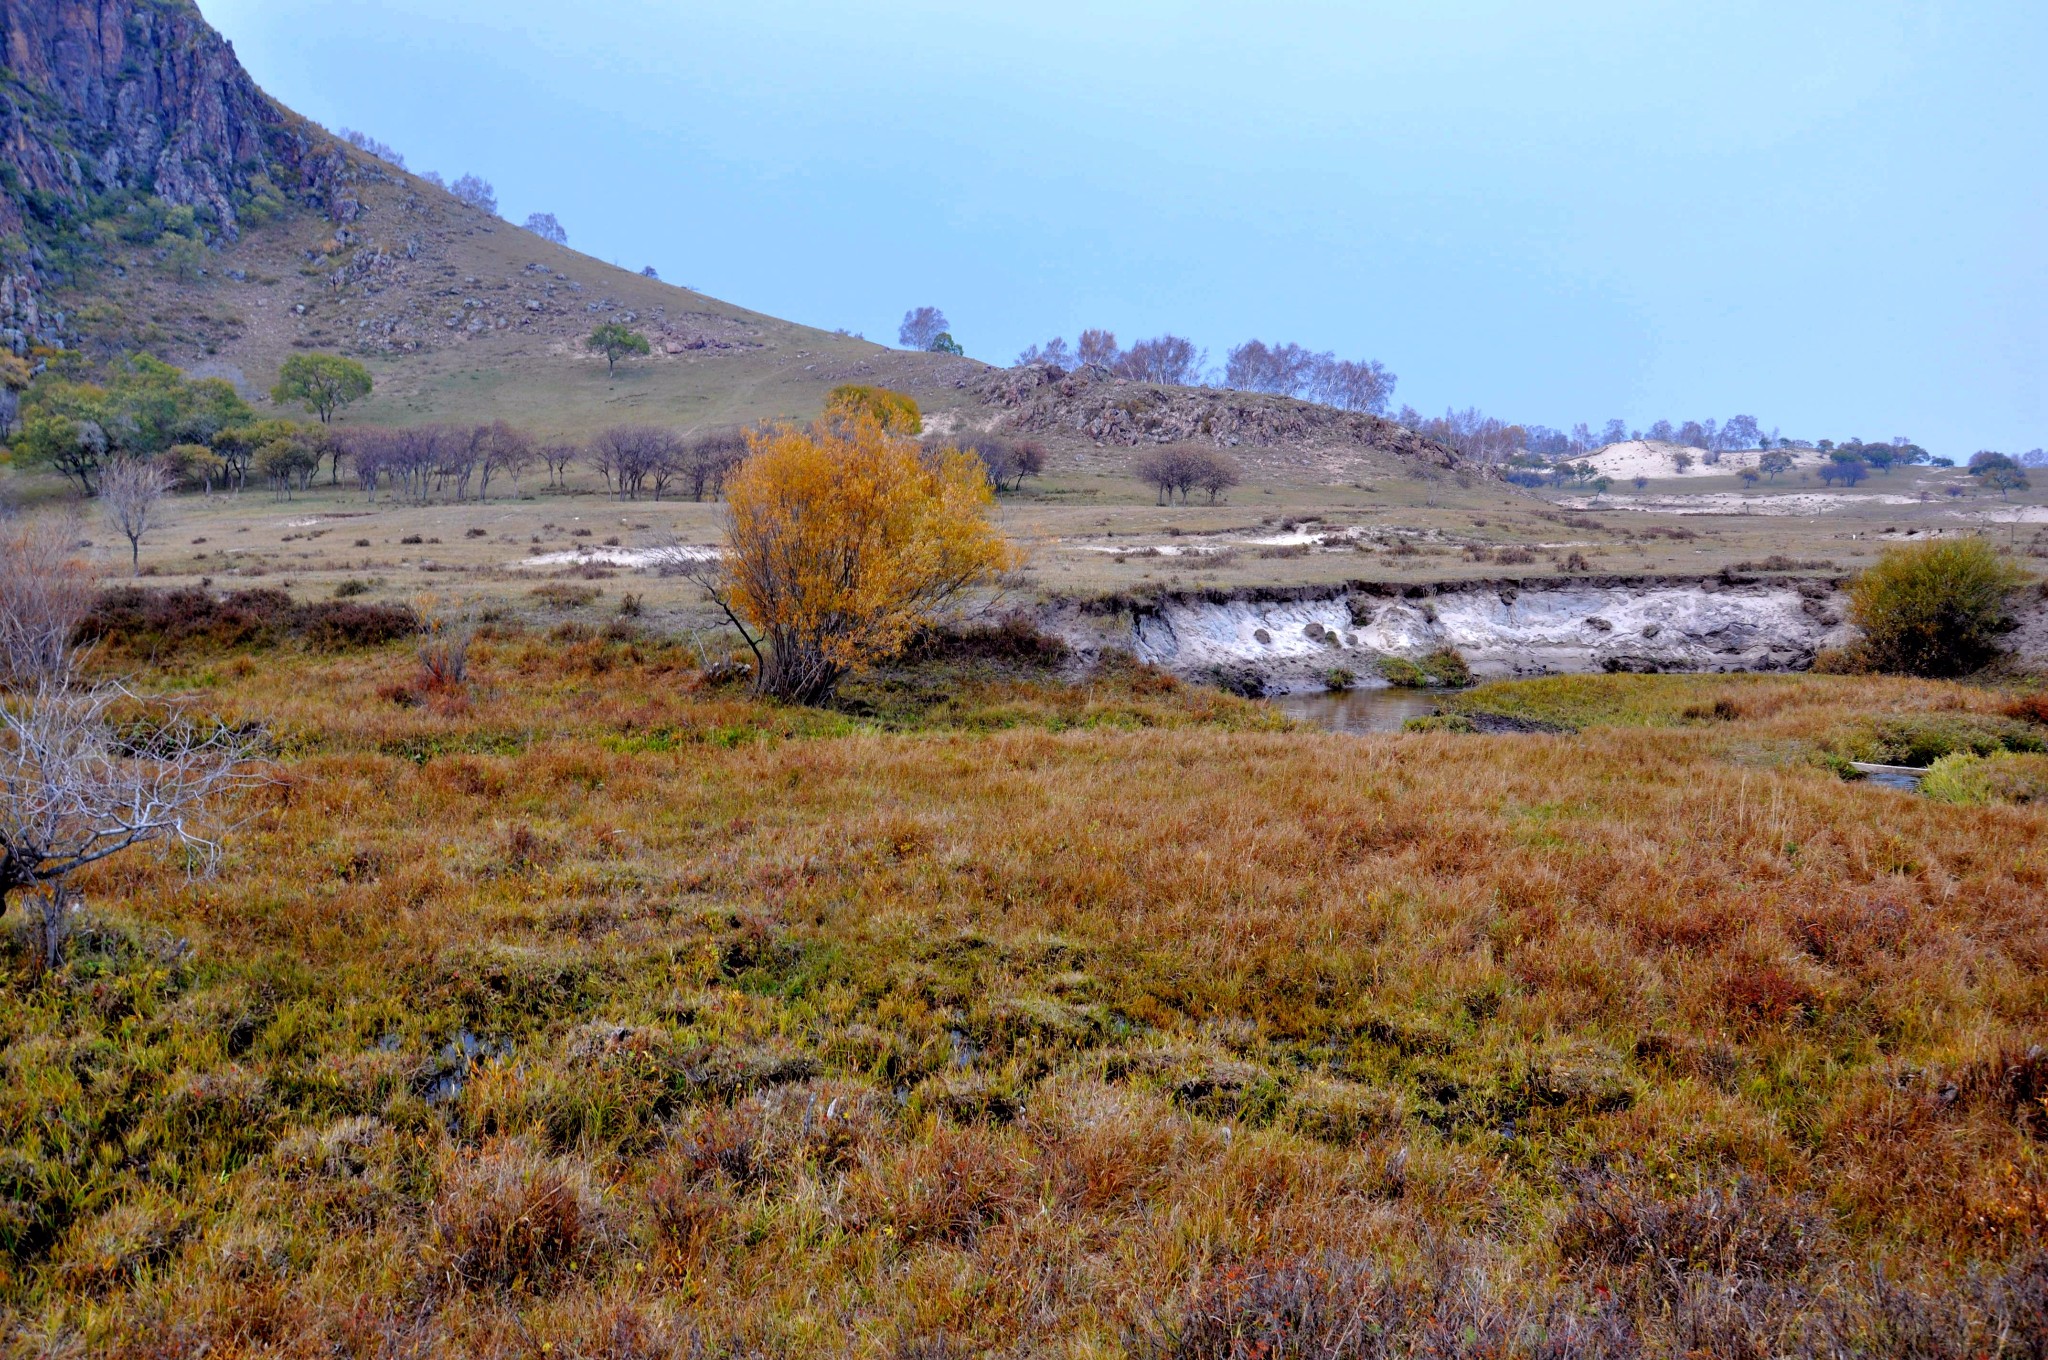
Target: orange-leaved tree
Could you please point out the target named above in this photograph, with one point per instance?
(895, 412)
(841, 538)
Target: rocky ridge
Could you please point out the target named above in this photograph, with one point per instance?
(1094, 404)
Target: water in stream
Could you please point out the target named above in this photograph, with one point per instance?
(1356, 710)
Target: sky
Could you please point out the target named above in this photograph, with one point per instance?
(1830, 214)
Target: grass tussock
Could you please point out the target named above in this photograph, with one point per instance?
(612, 1012)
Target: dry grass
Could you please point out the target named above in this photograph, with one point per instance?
(612, 1015)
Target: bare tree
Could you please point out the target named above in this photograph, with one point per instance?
(1053, 352)
(476, 192)
(86, 774)
(46, 589)
(1097, 347)
(558, 454)
(363, 141)
(1349, 385)
(921, 326)
(1215, 472)
(709, 457)
(1281, 369)
(1163, 359)
(130, 492)
(628, 455)
(545, 226)
(500, 449)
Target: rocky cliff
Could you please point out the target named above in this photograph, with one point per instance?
(102, 100)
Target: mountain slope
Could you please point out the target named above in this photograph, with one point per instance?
(153, 197)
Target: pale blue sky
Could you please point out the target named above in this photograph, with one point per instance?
(1829, 213)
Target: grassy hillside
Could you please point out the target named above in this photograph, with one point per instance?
(387, 286)
(597, 1012)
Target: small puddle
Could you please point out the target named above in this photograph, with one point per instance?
(1357, 710)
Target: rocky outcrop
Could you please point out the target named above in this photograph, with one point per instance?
(1274, 641)
(1095, 404)
(143, 96)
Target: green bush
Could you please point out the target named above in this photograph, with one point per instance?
(1932, 609)
(1921, 739)
(1338, 678)
(2003, 777)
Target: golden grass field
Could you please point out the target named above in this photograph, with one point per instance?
(592, 1011)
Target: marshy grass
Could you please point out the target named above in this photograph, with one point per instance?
(612, 1013)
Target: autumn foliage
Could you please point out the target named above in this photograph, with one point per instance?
(841, 539)
(893, 411)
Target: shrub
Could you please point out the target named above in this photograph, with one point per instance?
(895, 412)
(1337, 678)
(509, 1219)
(135, 621)
(1402, 673)
(1933, 609)
(2000, 778)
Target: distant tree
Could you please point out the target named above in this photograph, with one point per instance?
(1844, 466)
(1750, 476)
(921, 326)
(2004, 480)
(1215, 472)
(130, 492)
(649, 272)
(1682, 462)
(477, 193)
(547, 228)
(1352, 386)
(1162, 359)
(710, 458)
(1614, 432)
(1097, 348)
(1741, 432)
(363, 141)
(1183, 467)
(944, 343)
(1639, 481)
(615, 341)
(1880, 456)
(1693, 435)
(72, 446)
(322, 383)
(287, 461)
(500, 448)
(1662, 433)
(557, 454)
(433, 177)
(1053, 352)
(1165, 470)
(1582, 438)
(1281, 369)
(895, 412)
(1773, 463)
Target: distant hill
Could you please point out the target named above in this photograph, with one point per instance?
(153, 197)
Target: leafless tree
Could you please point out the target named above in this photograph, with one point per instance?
(131, 492)
(1097, 347)
(1215, 472)
(46, 589)
(363, 141)
(476, 192)
(709, 458)
(86, 774)
(1281, 369)
(1053, 352)
(558, 454)
(1350, 385)
(628, 456)
(501, 448)
(921, 326)
(545, 226)
(1163, 359)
